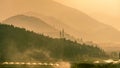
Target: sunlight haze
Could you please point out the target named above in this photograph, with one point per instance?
(106, 11)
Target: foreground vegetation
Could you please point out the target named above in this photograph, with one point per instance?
(23, 66)
(19, 44)
(81, 65)
(87, 65)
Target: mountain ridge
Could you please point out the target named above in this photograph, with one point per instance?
(88, 28)
(16, 41)
(48, 23)
(31, 23)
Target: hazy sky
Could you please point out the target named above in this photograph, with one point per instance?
(106, 11)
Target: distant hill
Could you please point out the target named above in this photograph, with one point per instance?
(42, 24)
(32, 23)
(18, 44)
(87, 28)
(54, 22)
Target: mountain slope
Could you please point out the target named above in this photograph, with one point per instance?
(89, 28)
(33, 24)
(59, 25)
(42, 24)
(17, 44)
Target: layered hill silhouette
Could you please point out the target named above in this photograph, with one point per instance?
(42, 24)
(32, 23)
(87, 27)
(19, 44)
(54, 22)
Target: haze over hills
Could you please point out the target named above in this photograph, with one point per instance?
(41, 24)
(52, 21)
(86, 27)
(33, 24)
(74, 18)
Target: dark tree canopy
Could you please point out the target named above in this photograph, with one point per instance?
(19, 44)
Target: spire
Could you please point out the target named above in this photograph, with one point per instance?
(62, 33)
(119, 55)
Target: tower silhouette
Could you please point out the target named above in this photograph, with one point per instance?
(119, 55)
(62, 34)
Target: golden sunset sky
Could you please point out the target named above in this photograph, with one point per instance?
(106, 11)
